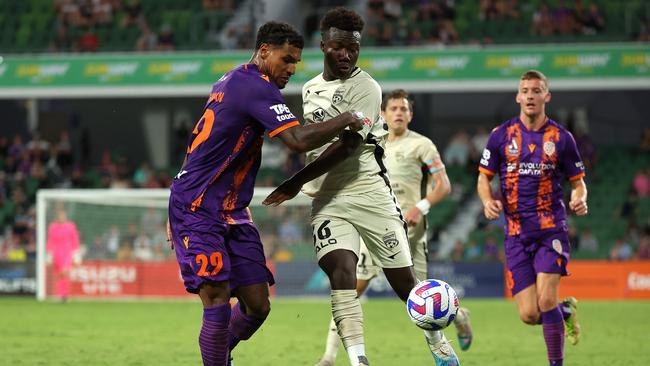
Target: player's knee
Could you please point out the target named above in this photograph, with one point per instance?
(529, 317)
(546, 303)
(343, 277)
(259, 310)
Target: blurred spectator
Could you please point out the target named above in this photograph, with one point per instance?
(457, 151)
(644, 146)
(643, 249)
(574, 238)
(147, 40)
(458, 252)
(151, 221)
(563, 18)
(641, 183)
(112, 240)
(472, 251)
(593, 21)
(102, 11)
(166, 38)
(125, 252)
(142, 174)
(490, 249)
(97, 250)
(644, 32)
(588, 242)
(488, 10)
(542, 22)
(629, 208)
(479, 141)
(142, 247)
(133, 14)
(88, 42)
(621, 251)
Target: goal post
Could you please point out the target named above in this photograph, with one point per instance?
(123, 248)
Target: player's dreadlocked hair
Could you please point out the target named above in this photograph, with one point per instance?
(277, 34)
(534, 74)
(397, 94)
(341, 18)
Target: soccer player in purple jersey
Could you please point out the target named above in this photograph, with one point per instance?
(532, 155)
(217, 246)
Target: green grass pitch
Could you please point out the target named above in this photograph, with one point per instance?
(165, 333)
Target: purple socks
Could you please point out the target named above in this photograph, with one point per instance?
(241, 326)
(553, 326)
(213, 339)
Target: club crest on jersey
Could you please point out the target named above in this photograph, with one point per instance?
(338, 95)
(390, 240)
(319, 115)
(549, 148)
(513, 148)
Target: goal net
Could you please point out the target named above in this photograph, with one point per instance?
(124, 253)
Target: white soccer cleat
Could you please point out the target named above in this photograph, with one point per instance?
(443, 353)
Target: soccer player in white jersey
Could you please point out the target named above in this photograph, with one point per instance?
(419, 181)
(352, 197)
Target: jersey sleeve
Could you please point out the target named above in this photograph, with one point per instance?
(366, 98)
(489, 163)
(430, 157)
(266, 105)
(572, 164)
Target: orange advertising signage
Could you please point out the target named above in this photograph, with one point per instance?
(606, 280)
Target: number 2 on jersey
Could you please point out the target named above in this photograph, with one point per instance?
(216, 261)
(202, 134)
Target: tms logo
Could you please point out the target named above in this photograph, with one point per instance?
(282, 111)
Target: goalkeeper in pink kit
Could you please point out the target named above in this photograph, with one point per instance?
(62, 244)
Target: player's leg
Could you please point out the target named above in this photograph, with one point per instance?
(366, 271)
(250, 280)
(205, 268)
(550, 261)
(551, 316)
(340, 267)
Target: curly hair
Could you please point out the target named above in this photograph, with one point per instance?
(341, 18)
(397, 94)
(277, 34)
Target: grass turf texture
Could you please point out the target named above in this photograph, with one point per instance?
(165, 333)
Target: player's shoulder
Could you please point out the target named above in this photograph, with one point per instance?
(248, 77)
(504, 126)
(419, 139)
(362, 79)
(558, 126)
(316, 80)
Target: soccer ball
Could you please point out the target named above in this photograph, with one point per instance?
(432, 304)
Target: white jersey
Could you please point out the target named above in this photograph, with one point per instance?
(323, 100)
(410, 159)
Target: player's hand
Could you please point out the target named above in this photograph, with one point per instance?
(579, 206)
(357, 120)
(169, 235)
(413, 216)
(286, 191)
(492, 209)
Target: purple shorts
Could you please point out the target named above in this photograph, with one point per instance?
(540, 252)
(212, 250)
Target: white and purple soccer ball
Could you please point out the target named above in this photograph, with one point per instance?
(432, 304)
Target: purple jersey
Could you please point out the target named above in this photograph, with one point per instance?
(224, 151)
(531, 166)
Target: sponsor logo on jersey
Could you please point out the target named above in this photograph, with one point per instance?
(282, 111)
(536, 169)
(390, 240)
(549, 148)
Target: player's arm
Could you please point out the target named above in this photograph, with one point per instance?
(338, 151)
(491, 208)
(441, 189)
(305, 138)
(578, 201)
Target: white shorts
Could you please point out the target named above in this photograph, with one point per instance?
(367, 268)
(341, 222)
